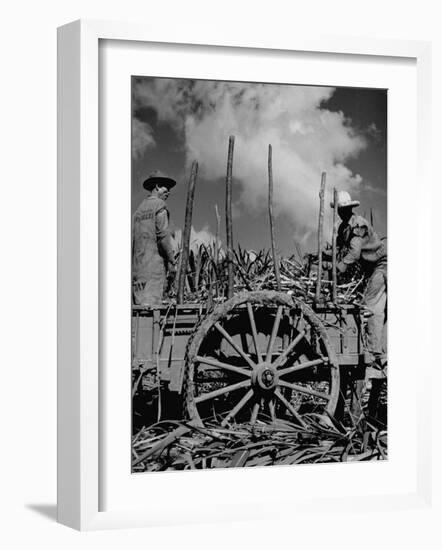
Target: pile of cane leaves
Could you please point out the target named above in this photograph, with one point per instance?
(207, 275)
(181, 445)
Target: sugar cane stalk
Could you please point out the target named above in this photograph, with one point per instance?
(185, 241)
(320, 236)
(218, 223)
(271, 219)
(334, 237)
(214, 288)
(229, 234)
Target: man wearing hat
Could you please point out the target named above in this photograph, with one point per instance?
(358, 242)
(153, 258)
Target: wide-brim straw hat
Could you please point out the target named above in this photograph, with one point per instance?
(158, 178)
(344, 200)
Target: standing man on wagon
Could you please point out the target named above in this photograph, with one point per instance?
(358, 242)
(153, 257)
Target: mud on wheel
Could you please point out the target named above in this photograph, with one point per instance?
(261, 355)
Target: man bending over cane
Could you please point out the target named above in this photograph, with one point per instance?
(358, 242)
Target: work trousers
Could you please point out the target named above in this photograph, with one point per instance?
(375, 300)
(150, 279)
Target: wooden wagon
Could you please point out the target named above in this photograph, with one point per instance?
(260, 355)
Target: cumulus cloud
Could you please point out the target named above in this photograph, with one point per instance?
(306, 139)
(142, 138)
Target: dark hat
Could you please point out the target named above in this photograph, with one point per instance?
(158, 178)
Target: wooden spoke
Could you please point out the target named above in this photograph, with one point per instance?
(302, 389)
(254, 332)
(283, 357)
(272, 410)
(274, 333)
(222, 391)
(302, 366)
(237, 407)
(255, 412)
(234, 345)
(214, 363)
(290, 407)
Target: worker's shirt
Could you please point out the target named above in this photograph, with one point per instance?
(150, 226)
(357, 241)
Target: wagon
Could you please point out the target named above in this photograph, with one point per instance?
(261, 355)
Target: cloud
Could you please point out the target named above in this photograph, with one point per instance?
(374, 132)
(142, 138)
(369, 187)
(306, 139)
(197, 237)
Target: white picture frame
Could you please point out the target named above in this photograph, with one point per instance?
(79, 295)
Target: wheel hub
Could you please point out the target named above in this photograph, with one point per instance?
(265, 377)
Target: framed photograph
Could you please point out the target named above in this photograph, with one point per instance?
(231, 221)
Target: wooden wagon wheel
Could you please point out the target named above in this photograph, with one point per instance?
(260, 355)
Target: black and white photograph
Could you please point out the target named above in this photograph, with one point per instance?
(259, 274)
(228, 217)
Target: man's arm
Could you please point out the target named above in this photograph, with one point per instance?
(164, 238)
(353, 254)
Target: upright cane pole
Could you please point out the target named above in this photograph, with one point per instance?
(185, 241)
(271, 220)
(218, 223)
(214, 288)
(229, 233)
(334, 237)
(320, 236)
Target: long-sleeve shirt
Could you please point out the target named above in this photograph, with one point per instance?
(152, 249)
(357, 241)
(151, 233)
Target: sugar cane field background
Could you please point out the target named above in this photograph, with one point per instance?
(258, 352)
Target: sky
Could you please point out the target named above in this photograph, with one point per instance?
(342, 131)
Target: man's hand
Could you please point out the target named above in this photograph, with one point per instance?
(171, 274)
(327, 265)
(171, 268)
